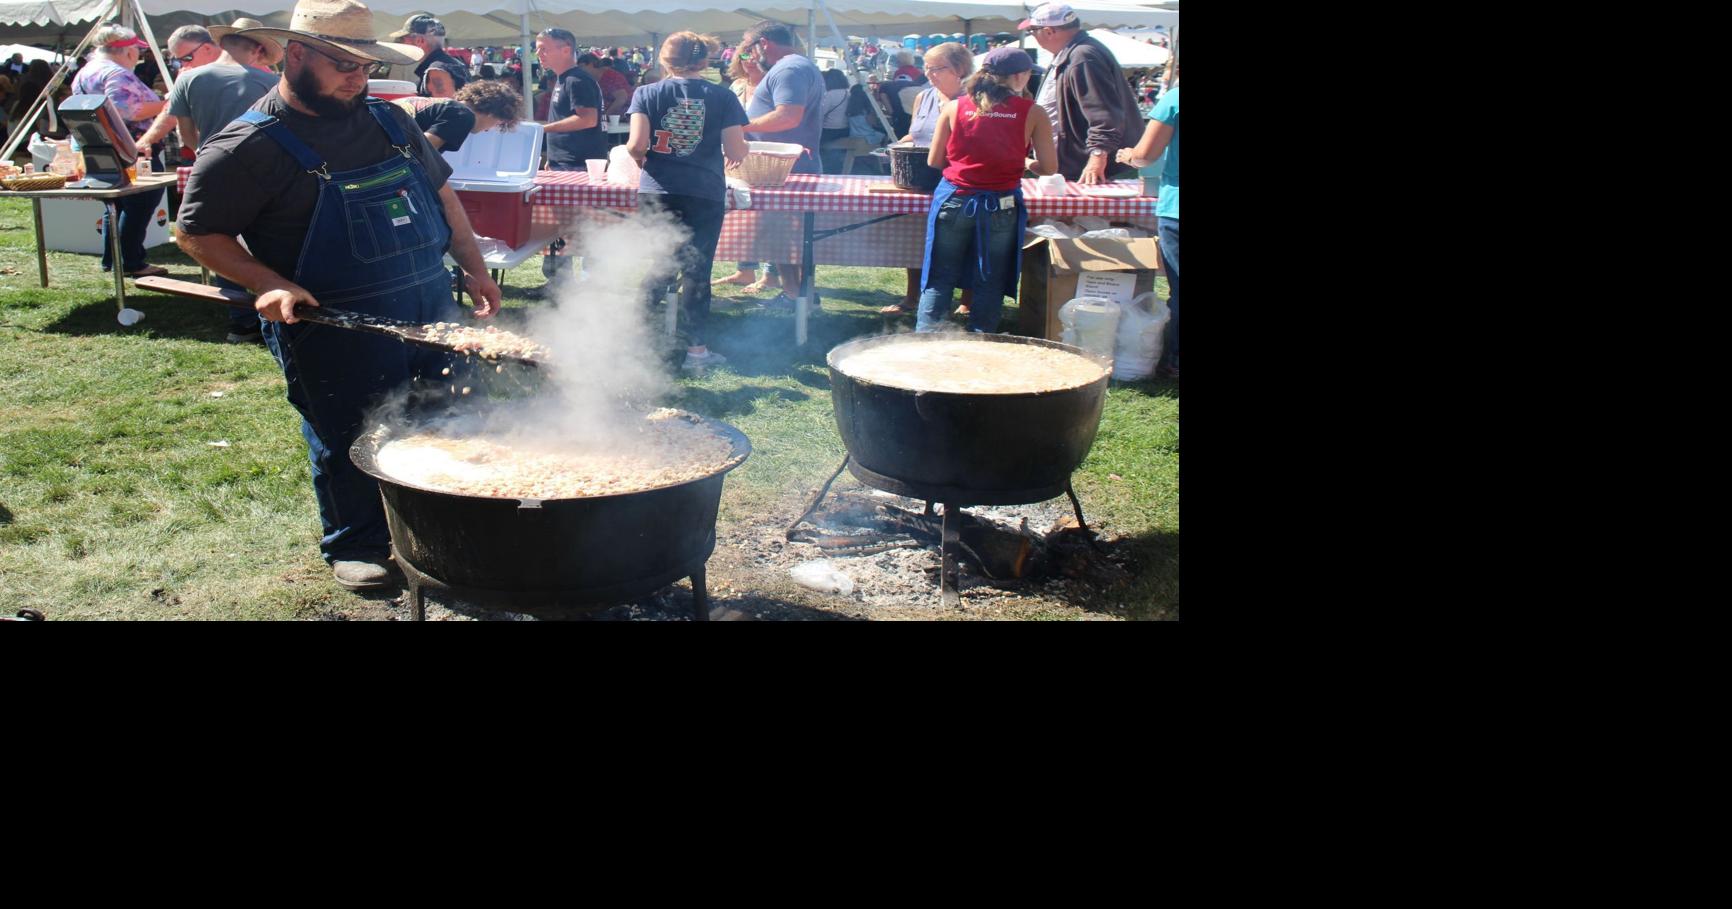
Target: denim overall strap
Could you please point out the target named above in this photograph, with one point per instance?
(375, 245)
(304, 156)
(381, 111)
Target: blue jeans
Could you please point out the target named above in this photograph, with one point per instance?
(1169, 229)
(135, 214)
(703, 217)
(954, 250)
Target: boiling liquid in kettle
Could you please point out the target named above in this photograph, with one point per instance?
(971, 367)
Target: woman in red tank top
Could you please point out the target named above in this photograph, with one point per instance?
(974, 229)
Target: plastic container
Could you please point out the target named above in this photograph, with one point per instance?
(1091, 323)
(493, 175)
(597, 169)
(1138, 347)
(622, 170)
(390, 89)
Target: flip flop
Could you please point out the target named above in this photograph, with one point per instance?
(895, 309)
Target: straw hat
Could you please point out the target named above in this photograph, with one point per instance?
(273, 51)
(344, 27)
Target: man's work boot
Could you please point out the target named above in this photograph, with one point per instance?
(365, 575)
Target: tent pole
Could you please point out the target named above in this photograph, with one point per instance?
(528, 82)
(155, 51)
(854, 69)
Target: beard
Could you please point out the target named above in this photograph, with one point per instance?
(306, 89)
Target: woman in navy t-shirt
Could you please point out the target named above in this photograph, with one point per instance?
(680, 129)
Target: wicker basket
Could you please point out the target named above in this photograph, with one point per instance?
(768, 163)
(33, 182)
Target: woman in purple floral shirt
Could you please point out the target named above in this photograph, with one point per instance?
(109, 72)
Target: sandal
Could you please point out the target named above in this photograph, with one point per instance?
(758, 286)
(895, 309)
(149, 271)
(735, 278)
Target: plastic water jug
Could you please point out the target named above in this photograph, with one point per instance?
(1091, 323)
(1141, 327)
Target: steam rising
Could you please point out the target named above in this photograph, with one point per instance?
(605, 349)
(607, 365)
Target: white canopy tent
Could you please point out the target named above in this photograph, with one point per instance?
(596, 21)
(62, 23)
(28, 52)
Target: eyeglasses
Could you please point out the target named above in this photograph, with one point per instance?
(341, 66)
(936, 69)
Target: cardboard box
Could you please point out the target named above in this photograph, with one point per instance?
(1053, 268)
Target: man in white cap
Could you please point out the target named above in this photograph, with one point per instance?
(439, 74)
(341, 201)
(1093, 111)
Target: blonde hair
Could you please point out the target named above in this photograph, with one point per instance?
(688, 52)
(953, 55)
(737, 69)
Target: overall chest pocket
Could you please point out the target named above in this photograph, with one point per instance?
(389, 215)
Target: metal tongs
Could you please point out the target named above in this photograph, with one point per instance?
(407, 332)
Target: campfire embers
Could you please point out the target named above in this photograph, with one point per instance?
(857, 524)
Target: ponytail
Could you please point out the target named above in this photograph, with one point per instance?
(987, 89)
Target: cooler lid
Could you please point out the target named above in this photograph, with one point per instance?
(506, 158)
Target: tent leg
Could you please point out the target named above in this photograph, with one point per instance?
(528, 81)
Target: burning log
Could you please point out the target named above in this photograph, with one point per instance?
(998, 553)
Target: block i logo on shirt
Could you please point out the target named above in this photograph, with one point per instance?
(682, 128)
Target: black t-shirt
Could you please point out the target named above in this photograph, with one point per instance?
(443, 61)
(245, 184)
(449, 120)
(567, 151)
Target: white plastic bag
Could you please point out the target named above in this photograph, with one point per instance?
(822, 576)
(621, 169)
(1092, 222)
(1110, 233)
(1091, 323)
(1054, 229)
(42, 152)
(1141, 328)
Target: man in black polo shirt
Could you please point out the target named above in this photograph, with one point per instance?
(440, 75)
(573, 130)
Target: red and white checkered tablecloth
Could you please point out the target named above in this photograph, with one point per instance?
(771, 230)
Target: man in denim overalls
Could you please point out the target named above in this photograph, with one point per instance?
(342, 202)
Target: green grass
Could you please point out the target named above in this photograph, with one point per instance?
(114, 506)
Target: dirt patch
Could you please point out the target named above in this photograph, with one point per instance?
(749, 580)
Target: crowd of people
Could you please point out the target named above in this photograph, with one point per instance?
(290, 153)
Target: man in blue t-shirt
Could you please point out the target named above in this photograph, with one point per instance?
(788, 106)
